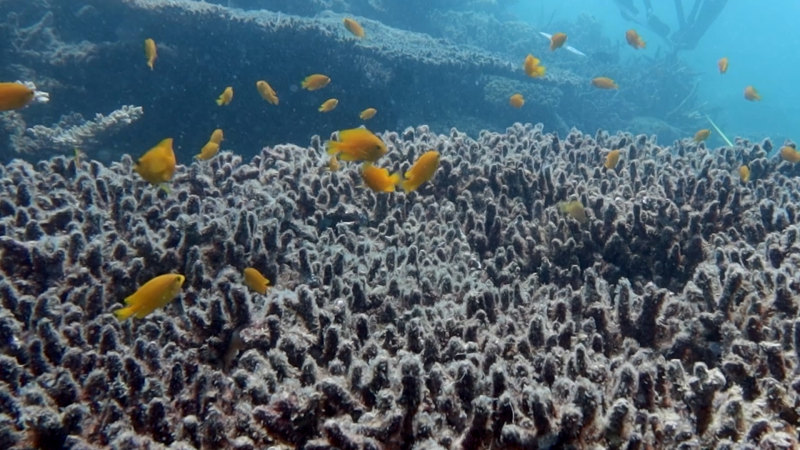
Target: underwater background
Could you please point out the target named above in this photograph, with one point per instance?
(589, 246)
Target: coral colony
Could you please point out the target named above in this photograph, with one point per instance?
(511, 290)
(475, 312)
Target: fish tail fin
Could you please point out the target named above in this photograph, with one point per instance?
(165, 188)
(125, 313)
(407, 186)
(219, 102)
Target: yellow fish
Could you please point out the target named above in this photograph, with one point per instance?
(702, 135)
(378, 179)
(255, 281)
(15, 96)
(315, 81)
(328, 105)
(158, 164)
(750, 93)
(156, 293)
(368, 113)
(574, 209)
(357, 144)
(790, 154)
(516, 100)
(421, 171)
(744, 173)
(532, 67)
(225, 98)
(150, 52)
(604, 83)
(208, 151)
(266, 91)
(634, 40)
(216, 136)
(354, 27)
(722, 64)
(333, 164)
(557, 40)
(612, 159)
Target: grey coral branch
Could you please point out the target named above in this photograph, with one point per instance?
(74, 131)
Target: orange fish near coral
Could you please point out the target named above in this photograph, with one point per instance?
(354, 27)
(701, 135)
(216, 136)
(574, 209)
(15, 96)
(315, 81)
(329, 105)
(722, 64)
(368, 113)
(158, 164)
(150, 52)
(516, 100)
(421, 171)
(533, 67)
(225, 98)
(557, 40)
(604, 83)
(634, 40)
(789, 153)
(744, 173)
(156, 293)
(612, 159)
(357, 144)
(266, 92)
(255, 281)
(208, 151)
(378, 179)
(750, 93)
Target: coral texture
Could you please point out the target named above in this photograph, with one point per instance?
(469, 314)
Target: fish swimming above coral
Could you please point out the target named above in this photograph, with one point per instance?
(421, 171)
(604, 83)
(701, 135)
(156, 293)
(328, 105)
(266, 92)
(378, 179)
(750, 93)
(722, 64)
(226, 97)
(367, 114)
(568, 48)
(354, 27)
(255, 280)
(612, 159)
(533, 67)
(19, 94)
(157, 165)
(634, 40)
(315, 81)
(357, 144)
(150, 52)
(516, 100)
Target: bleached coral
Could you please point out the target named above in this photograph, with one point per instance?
(73, 131)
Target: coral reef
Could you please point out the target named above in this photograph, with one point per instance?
(469, 314)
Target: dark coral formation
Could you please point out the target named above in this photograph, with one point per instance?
(469, 314)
